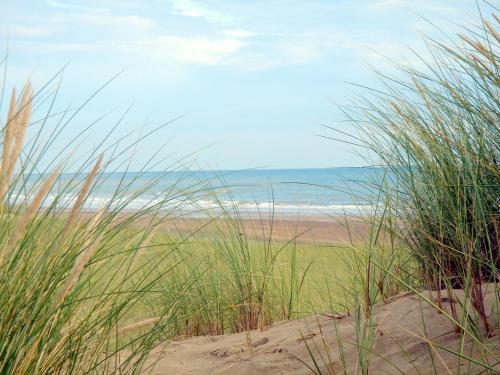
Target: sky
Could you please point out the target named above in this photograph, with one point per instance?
(248, 82)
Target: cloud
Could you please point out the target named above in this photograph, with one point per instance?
(235, 33)
(120, 37)
(189, 50)
(275, 54)
(189, 8)
(65, 5)
(203, 50)
(386, 4)
(27, 31)
(160, 50)
(109, 21)
(419, 6)
(125, 39)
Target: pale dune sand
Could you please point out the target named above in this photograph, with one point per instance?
(280, 348)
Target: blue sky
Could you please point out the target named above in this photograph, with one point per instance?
(253, 78)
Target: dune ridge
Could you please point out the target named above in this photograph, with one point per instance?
(402, 344)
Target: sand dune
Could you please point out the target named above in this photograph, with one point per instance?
(400, 345)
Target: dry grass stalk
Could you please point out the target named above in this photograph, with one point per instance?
(80, 262)
(7, 137)
(7, 142)
(14, 132)
(34, 206)
(22, 124)
(82, 195)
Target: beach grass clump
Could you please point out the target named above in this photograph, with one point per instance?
(234, 282)
(376, 267)
(70, 283)
(437, 131)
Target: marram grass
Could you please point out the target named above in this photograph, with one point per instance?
(437, 133)
(95, 292)
(63, 288)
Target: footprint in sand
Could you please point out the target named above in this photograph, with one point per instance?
(221, 352)
(260, 342)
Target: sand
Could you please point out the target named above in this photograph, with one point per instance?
(400, 345)
(312, 229)
(315, 230)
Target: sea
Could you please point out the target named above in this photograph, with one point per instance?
(313, 191)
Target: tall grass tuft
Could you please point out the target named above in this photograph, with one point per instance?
(438, 132)
(236, 282)
(71, 285)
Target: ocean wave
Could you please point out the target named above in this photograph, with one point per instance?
(197, 206)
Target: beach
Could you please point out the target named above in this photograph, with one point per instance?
(181, 216)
